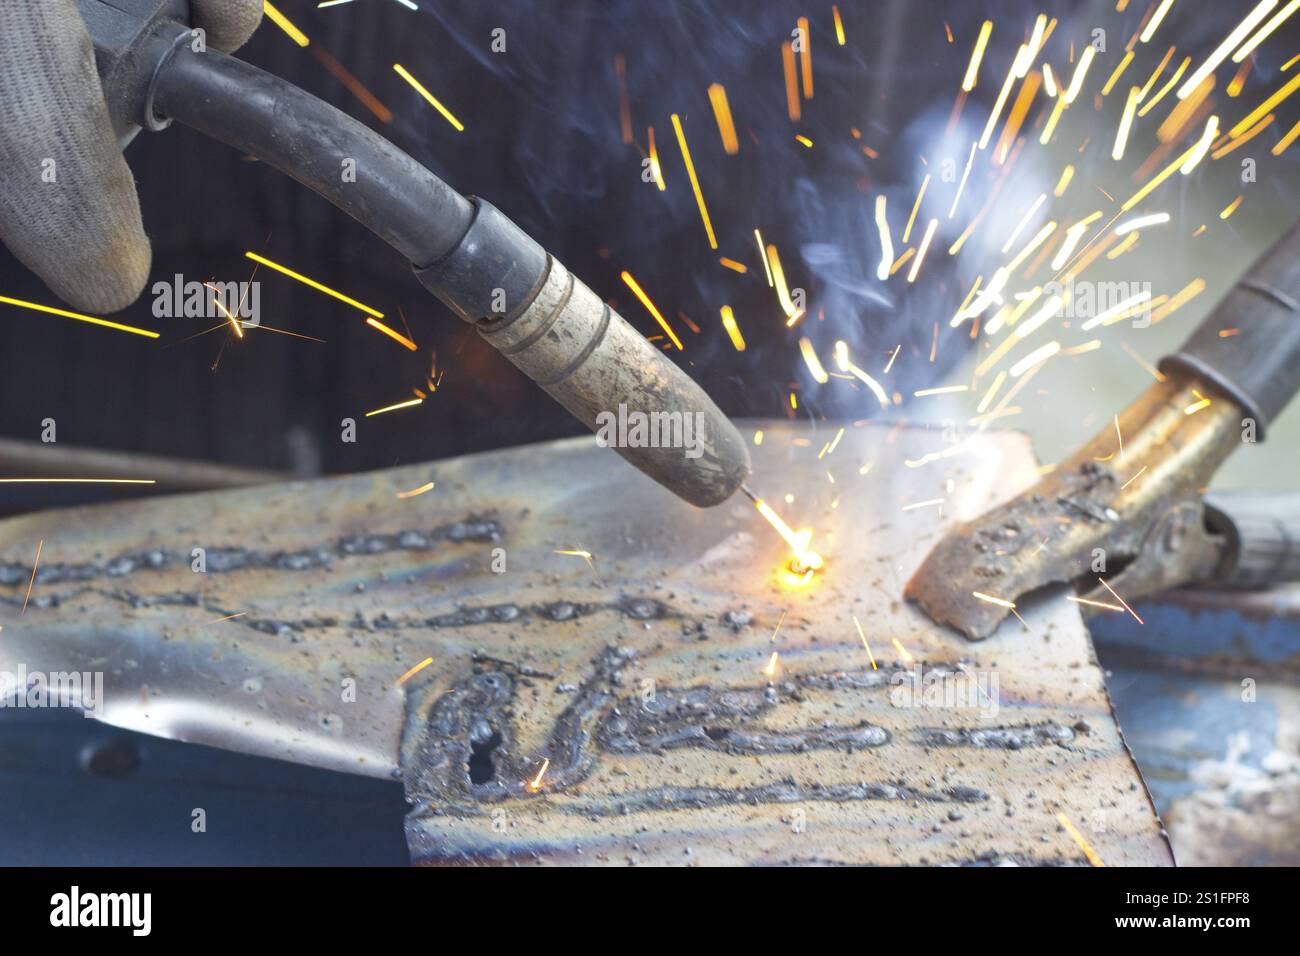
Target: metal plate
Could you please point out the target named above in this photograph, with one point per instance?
(642, 678)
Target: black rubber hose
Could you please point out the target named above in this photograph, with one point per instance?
(393, 196)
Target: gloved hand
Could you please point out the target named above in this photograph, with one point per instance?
(80, 232)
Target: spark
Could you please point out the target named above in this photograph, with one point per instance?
(791, 83)
(1080, 71)
(814, 364)
(998, 381)
(758, 436)
(354, 86)
(892, 356)
(1114, 77)
(961, 187)
(650, 307)
(1287, 140)
(1245, 138)
(1049, 81)
(870, 656)
(413, 671)
(942, 390)
(886, 244)
(78, 481)
(429, 97)
(920, 254)
(1000, 602)
(1088, 851)
(427, 486)
(844, 365)
(839, 25)
(762, 255)
(1125, 124)
(1266, 107)
(1121, 601)
(1067, 174)
(1134, 478)
(261, 260)
(392, 334)
(1196, 406)
(835, 442)
(624, 108)
(929, 503)
(1100, 604)
(536, 783)
(656, 168)
(733, 265)
(770, 669)
(805, 58)
(78, 316)
(1032, 324)
(1229, 209)
(1141, 222)
(1154, 22)
(1036, 357)
(579, 553)
(977, 54)
(228, 617)
(804, 141)
(32, 581)
(907, 230)
(1265, 31)
(902, 651)
(1185, 295)
(1173, 80)
(393, 408)
(722, 113)
(695, 182)
(1155, 182)
(733, 330)
(285, 24)
(331, 3)
(782, 290)
(798, 541)
(1202, 145)
(1024, 221)
(221, 307)
(1227, 46)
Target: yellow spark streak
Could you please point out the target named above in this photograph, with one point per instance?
(782, 290)
(1125, 124)
(1049, 80)
(1072, 237)
(907, 232)
(695, 182)
(1088, 851)
(228, 617)
(536, 783)
(928, 503)
(893, 355)
(983, 406)
(835, 442)
(427, 486)
(1024, 221)
(1238, 81)
(78, 481)
(804, 141)
(1229, 209)
(1116, 312)
(1141, 222)
(870, 656)
(762, 255)
(429, 97)
(1246, 137)
(1131, 480)
(577, 553)
(1080, 71)
(1202, 145)
(791, 83)
(391, 333)
(1227, 46)
(1121, 601)
(886, 243)
(758, 437)
(313, 284)
(839, 25)
(805, 58)
(78, 316)
(941, 390)
(920, 254)
(223, 310)
(844, 365)
(1002, 98)
(1164, 174)
(733, 265)
(1100, 604)
(722, 113)
(1114, 77)
(733, 330)
(1154, 22)
(1196, 406)
(650, 307)
(283, 22)
(1036, 357)
(1266, 107)
(1067, 174)
(961, 187)
(656, 168)
(1286, 140)
(1151, 104)
(1000, 602)
(1189, 292)
(393, 408)
(413, 671)
(814, 364)
(1032, 324)
(902, 651)
(973, 68)
(32, 582)
(770, 669)
(1265, 30)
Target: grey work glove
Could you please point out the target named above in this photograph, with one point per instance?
(68, 206)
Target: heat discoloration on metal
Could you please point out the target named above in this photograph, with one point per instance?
(1131, 514)
(640, 682)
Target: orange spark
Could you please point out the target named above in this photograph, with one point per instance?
(695, 182)
(394, 335)
(414, 670)
(650, 307)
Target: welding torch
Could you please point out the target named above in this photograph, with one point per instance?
(487, 270)
(1127, 515)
